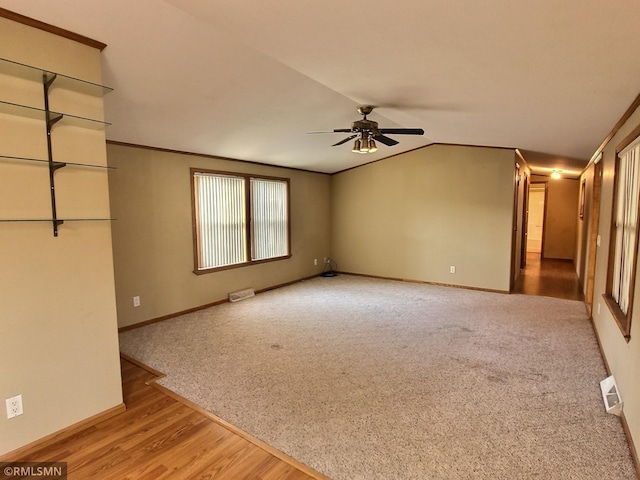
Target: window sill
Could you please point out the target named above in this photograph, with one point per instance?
(623, 322)
(205, 271)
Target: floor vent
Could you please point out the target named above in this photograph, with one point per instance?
(611, 396)
(241, 295)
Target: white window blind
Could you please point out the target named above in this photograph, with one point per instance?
(223, 203)
(626, 224)
(269, 218)
(221, 220)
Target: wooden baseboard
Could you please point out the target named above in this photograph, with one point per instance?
(423, 282)
(203, 307)
(623, 420)
(170, 316)
(26, 450)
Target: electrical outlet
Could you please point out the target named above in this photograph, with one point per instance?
(598, 308)
(14, 406)
(136, 301)
(452, 269)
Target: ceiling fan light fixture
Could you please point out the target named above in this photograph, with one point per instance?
(556, 174)
(364, 147)
(372, 146)
(356, 146)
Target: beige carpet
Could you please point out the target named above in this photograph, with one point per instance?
(372, 379)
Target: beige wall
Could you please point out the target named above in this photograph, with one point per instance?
(153, 241)
(560, 226)
(623, 358)
(414, 215)
(57, 301)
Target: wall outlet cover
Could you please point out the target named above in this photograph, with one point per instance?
(14, 406)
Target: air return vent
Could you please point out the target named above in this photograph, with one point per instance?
(241, 295)
(611, 396)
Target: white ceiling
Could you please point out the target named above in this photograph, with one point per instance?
(248, 80)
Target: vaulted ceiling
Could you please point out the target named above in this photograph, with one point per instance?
(248, 80)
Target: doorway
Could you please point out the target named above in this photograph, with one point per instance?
(535, 220)
(540, 276)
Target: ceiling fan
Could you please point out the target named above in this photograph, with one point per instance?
(366, 133)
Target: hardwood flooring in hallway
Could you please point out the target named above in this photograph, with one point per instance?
(549, 278)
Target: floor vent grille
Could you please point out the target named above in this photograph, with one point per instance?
(610, 396)
(241, 295)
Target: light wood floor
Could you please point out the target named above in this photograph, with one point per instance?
(549, 278)
(160, 437)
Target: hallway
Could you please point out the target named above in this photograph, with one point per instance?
(549, 278)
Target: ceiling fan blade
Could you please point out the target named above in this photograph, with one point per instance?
(402, 131)
(389, 142)
(337, 130)
(345, 140)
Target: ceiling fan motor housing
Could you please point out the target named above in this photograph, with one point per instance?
(364, 125)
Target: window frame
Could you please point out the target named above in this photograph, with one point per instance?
(623, 320)
(248, 219)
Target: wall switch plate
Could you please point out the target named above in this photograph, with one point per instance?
(452, 269)
(14, 406)
(136, 301)
(315, 261)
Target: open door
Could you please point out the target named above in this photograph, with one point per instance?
(535, 220)
(525, 222)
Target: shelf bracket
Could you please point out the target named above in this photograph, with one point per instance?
(56, 223)
(52, 119)
(56, 165)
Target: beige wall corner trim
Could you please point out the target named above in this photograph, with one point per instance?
(16, 17)
(24, 451)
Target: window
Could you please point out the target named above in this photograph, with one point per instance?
(623, 247)
(238, 219)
